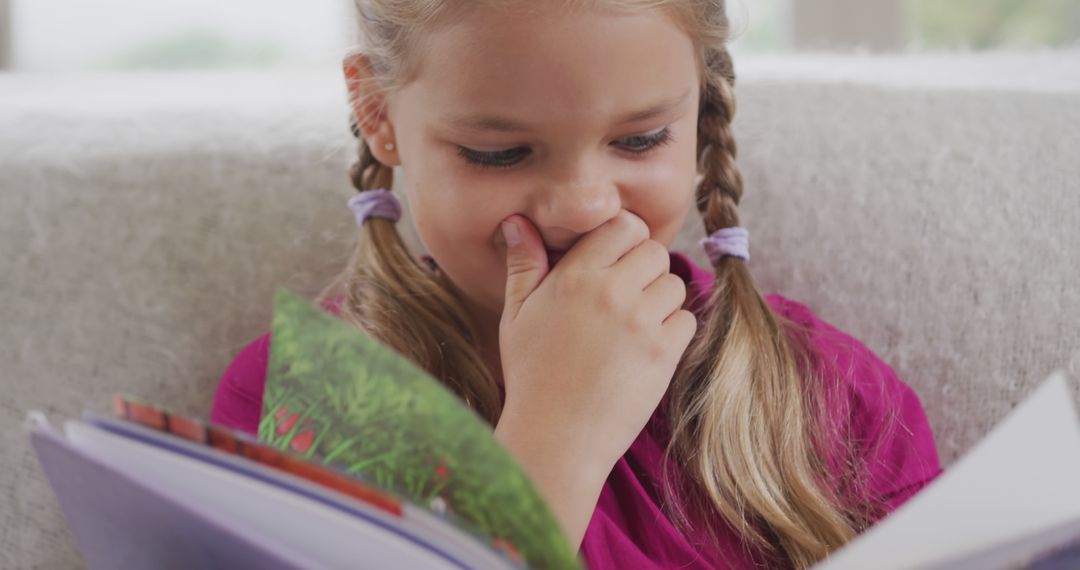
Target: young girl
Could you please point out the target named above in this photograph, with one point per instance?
(672, 416)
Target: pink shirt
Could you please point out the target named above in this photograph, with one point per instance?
(628, 529)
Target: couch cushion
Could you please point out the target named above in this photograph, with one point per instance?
(146, 220)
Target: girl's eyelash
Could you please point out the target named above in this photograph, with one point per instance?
(499, 159)
(640, 145)
(649, 142)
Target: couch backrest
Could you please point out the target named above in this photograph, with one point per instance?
(146, 221)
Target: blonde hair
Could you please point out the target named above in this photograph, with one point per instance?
(746, 409)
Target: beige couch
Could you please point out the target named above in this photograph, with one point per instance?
(928, 205)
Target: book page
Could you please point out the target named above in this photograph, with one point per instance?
(337, 396)
(320, 533)
(220, 447)
(1022, 479)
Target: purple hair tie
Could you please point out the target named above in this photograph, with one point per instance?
(734, 241)
(378, 203)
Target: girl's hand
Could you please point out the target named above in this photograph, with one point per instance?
(589, 348)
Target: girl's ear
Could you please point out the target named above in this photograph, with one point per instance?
(369, 107)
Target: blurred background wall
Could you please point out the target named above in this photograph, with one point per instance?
(70, 35)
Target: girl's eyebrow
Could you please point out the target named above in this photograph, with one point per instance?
(507, 125)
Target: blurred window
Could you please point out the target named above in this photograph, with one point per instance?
(65, 35)
(904, 25)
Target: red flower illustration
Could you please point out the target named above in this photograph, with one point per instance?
(509, 548)
(301, 442)
(287, 424)
(442, 471)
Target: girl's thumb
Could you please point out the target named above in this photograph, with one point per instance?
(526, 262)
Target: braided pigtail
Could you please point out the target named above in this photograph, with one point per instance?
(408, 305)
(744, 427)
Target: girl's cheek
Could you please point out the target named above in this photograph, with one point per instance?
(469, 214)
(660, 173)
(663, 195)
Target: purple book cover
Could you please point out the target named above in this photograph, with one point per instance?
(121, 523)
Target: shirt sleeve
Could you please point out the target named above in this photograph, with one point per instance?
(238, 399)
(888, 436)
(239, 396)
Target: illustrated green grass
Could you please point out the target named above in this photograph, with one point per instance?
(340, 397)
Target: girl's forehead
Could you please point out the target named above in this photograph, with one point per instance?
(570, 65)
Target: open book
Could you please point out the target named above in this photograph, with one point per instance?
(1011, 502)
(364, 461)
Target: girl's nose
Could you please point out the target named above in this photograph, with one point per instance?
(570, 209)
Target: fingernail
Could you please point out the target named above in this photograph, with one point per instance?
(510, 234)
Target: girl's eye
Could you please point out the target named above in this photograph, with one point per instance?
(637, 145)
(644, 143)
(498, 159)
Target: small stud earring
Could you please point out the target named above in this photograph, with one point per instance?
(389, 146)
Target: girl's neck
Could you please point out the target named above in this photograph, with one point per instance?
(485, 323)
(487, 330)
